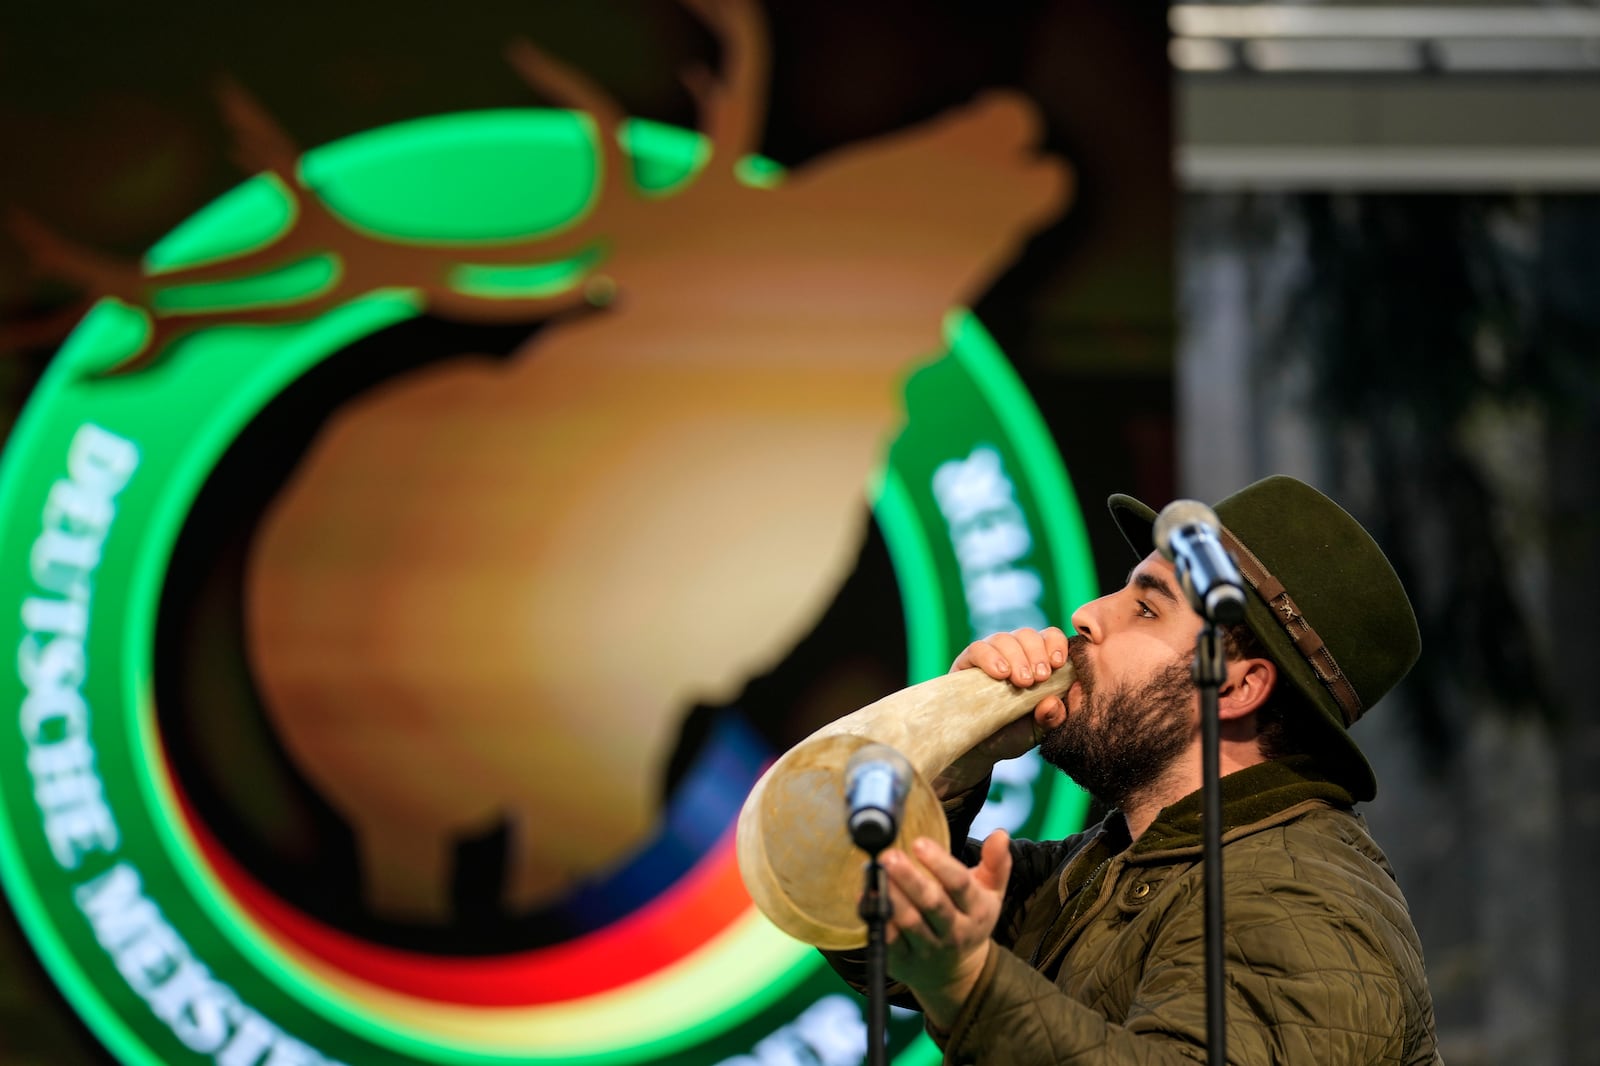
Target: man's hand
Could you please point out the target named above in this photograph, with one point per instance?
(939, 934)
(1023, 657)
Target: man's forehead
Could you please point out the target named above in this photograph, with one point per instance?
(1156, 575)
(1152, 565)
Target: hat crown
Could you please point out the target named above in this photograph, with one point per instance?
(1337, 581)
(1337, 576)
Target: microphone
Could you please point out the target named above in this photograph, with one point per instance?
(876, 779)
(1188, 535)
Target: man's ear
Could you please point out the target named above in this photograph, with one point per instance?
(1246, 688)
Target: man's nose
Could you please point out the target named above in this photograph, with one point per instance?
(1086, 620)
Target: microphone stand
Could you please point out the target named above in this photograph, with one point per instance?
(1210, 668)
(874, 910)
(1188, 535)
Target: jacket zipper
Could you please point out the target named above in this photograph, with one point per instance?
(1073, 919)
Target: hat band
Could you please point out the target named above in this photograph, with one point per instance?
(1306, 641)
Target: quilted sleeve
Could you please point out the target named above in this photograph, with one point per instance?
(1306, 983)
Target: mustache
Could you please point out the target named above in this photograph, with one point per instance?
(1078, 656)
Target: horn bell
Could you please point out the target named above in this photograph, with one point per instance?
(795, 854)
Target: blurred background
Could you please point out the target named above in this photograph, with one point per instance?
(1356, 243)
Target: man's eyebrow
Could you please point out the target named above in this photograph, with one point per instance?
(1151, 583)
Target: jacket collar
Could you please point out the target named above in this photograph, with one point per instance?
(1252, 799)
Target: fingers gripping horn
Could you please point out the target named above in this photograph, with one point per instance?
(795, 853)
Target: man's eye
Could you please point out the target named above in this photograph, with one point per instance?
(1145, 611)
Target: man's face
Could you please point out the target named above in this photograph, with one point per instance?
(1133, 709)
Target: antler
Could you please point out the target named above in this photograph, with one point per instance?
(259, 143)
(568, 85)
(733, 108)
(363, 262)
(51, 255)
(732, 115)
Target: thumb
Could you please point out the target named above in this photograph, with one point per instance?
(994, 864)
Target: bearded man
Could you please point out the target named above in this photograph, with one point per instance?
(1091, 949)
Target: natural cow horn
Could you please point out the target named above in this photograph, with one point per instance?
(795, 854)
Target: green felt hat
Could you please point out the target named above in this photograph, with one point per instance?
(1327, 605)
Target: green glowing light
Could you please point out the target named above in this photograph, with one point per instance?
(303, 280)
(245, 218)
(759, 172)
(524, 281)
(1043, 469)
(485, 176)
(110, 333)
(927, 650)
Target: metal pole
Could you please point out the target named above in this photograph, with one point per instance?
(1210, 668)
(874, 910)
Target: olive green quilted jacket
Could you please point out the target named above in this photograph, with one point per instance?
(1107, 940)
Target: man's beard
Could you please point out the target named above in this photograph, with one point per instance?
(1121, 742)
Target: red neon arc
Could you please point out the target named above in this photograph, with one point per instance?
(703, 903)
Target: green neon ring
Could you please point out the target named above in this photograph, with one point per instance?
(114, 329)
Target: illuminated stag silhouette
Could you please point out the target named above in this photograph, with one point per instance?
(491, 589)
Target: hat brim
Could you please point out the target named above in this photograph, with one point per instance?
(1342, 757)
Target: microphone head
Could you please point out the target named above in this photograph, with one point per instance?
(876, 779)
(1180, 514)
